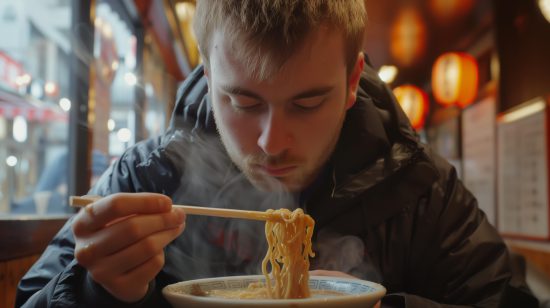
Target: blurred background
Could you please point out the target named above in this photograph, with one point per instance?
(80, 81)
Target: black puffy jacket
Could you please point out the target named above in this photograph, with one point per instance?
(386, 208)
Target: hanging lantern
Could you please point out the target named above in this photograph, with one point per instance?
(414, 103)
(448, 11)
(408, 36)
(455, 79)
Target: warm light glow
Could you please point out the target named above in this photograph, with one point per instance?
(19, 81)
(111, 125)
(114, 65)
(124, 135)
(107, 30)
(448, 11)
(185, 10)
(50, 88)
(525, 111)
(23, 80)
(408, 36)
(387, 73)
(495, 67)
(20, 129)
(544, 6)
(11, 161)
(65, 104)
(130, 79)
(98, 22)
(455, 79)
(414, 103)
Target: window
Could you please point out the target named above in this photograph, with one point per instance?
(34, 108)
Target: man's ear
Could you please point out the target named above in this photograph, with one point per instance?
(353, 80)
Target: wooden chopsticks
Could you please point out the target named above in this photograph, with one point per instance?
(76, 201)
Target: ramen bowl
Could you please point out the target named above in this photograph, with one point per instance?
(326, 292)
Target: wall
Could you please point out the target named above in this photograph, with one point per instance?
(523, 45)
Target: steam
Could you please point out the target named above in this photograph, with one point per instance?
(344, 253)
(210, 246)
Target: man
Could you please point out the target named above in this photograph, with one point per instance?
(292, 117)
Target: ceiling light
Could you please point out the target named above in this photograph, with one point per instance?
(51, 88)
(525, 110)
(387, 73)
(65, 104)
(111, 125)
(185, 10)
(19, 129)
(124, 135)
(544, 6)
(11, 161)
(130, 79)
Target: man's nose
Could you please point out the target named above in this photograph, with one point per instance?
(275, 136)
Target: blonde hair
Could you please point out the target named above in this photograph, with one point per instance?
(268, 32)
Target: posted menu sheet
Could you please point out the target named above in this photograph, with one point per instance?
(523, 177)
(478, 154)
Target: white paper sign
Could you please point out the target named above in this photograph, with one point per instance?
(523, 177)
(478, 154)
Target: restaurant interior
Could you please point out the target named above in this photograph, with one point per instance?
(82, 81)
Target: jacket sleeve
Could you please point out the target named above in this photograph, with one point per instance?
(72, 287)
(56, 279)
(463, 261)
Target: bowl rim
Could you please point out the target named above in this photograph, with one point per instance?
(379, 292)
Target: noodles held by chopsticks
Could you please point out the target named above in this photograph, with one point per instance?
(289, 249)
(288, 253)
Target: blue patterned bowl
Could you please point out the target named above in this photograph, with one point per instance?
(352, 293)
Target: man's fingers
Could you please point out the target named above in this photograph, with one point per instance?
(146, 271)
(121, 235)
(98, 214)
(134, 256)
(132, 286)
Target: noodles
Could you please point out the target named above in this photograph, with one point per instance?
(289, 249)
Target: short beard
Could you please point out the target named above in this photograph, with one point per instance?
(270, 184)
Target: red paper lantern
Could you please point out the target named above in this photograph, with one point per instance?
(455, 79)
(448, 11)
(408, 36)
(414, 102)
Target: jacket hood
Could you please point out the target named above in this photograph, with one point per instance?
(379, 135)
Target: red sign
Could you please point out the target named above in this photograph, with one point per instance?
(12, 105)
(9, 71)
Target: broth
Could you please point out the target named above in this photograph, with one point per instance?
(237, 294)
(254, 291)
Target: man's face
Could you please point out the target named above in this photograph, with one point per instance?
(280, 132)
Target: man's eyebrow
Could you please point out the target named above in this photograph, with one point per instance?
(241, 91)
(319, 91)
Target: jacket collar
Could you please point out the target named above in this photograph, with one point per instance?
(377, 145)
(376, 140)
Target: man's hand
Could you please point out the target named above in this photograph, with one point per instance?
(120, 240)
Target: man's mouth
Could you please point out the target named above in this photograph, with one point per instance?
(277, 171)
